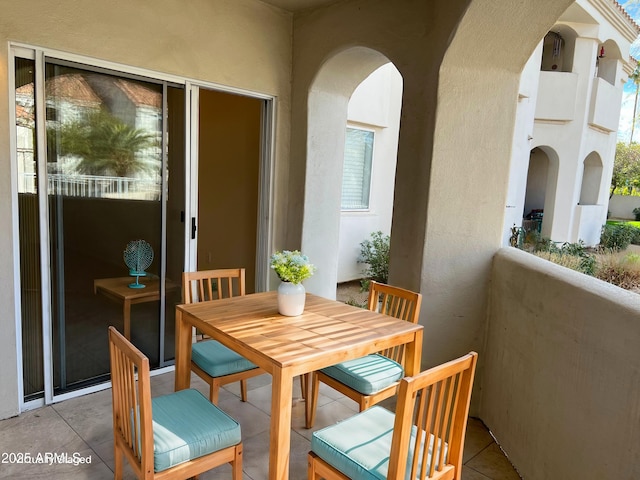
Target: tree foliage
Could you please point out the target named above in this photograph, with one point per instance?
(105, 145)
(626, 169)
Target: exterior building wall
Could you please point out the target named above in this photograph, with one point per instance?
(242, 43)
(577, 114)
(458, 122)
(375, 105)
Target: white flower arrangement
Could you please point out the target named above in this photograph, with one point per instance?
(292, 266)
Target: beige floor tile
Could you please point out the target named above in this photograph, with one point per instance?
(33, 438)
(492, 463)
(477, 439)
(470, 474)
(84, 425)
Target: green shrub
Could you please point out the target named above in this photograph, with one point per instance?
(636, 212)
(571, 255)
(616, 237)
(375, 253)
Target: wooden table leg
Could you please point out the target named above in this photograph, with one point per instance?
(126, 314)
(414, 354)
(280, 436)
(183, 353)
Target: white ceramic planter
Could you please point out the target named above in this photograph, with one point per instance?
(291, 299)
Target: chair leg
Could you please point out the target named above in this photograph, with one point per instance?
(236, 464)
(214, 389)
(117, 464)
(311, 468)
(310, 407)
(243, 390)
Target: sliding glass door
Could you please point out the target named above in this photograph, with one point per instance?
(101, 171)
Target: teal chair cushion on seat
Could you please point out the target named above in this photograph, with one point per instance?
(368, 374)
(359, 446)
(186, 426)
(218, 360)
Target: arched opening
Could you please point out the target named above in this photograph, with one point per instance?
(540, 193)
(328, 103)
(558, 48)
(536, 191)
(371, 145)
(591, 177)
(607, 62)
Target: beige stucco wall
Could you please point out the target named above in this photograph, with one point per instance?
(560, 388)
(241, 43)
(476, 115)
(414, 37)
(454, 149)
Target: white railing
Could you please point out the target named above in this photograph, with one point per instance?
(93, 186)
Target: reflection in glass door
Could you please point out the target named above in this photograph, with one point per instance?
(108, 157)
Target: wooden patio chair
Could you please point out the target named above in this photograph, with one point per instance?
(424, 439)
(210, 360)
(369, 380)
(174, 436)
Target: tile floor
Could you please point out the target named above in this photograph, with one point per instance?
(81, 427)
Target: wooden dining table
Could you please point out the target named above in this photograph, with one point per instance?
(326, 333)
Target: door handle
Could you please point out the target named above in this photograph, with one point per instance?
(193, 228)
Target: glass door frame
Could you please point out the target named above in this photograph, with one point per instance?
(264, 238)
(191, 87)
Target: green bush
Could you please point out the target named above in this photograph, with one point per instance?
(636, 212)
(375, 253)
(616, 237)
(571, 255)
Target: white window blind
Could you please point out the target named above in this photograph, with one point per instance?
(356, 175)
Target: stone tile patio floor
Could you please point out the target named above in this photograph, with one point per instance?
(82, 427)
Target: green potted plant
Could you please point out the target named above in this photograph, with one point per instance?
(292, 268)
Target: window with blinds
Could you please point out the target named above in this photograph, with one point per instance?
(356, 175)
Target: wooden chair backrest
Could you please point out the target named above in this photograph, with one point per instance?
(396, 302)
(436, 403)
(208, 285)
(131, 395)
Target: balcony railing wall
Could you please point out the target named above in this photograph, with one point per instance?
(603, 96)
(561, 375)
(557, 96)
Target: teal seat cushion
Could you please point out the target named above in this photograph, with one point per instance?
(368, 374)
(218, 360)
(187, 426)
(360, 446)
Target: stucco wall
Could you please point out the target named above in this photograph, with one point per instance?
(455, 141)
(464, 224)
(242, 43)
(621, 206)
(560, 390)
